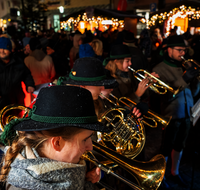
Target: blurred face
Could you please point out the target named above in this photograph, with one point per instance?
(4, 53)
(123, 66)
(95, 91)
(73, 149)
(49, 50)
(27, 49)
(176, 52)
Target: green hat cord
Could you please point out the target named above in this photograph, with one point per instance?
(9, 133)
(61, 80)
(105, 62)
(85, 78)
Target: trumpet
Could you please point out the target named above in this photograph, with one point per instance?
(155, 86)
(188, 63)
(154, 117)
(148, 175)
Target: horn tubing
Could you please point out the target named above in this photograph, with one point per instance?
(149, 175)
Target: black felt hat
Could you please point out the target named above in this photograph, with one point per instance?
(128, 37)
(119, 51)
(176, 41)
(89, 71)
(62, 106)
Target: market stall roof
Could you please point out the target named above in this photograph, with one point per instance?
(103, 12)
(193, 4)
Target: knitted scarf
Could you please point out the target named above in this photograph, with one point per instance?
(29, 171)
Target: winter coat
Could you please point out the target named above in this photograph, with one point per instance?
(30, 171)
(179, 106)
(41, 67)
(11, 76)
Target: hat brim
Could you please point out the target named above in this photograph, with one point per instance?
(176, 45)
(31, 125)
(105, 82)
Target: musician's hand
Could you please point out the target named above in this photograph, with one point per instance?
(94, 175)
(189, 74)
(30, 89)
(136, 112)
(155, 75)
(142, 86)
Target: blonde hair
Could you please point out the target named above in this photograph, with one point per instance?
(112, 66)
(33, 139)
(97, 46)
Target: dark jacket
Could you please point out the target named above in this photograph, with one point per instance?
(179, 106)
(11, 75)
(127, 86)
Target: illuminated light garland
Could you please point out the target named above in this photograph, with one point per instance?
(97, 20)
(171, 16)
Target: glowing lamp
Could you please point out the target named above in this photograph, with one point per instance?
(61, 9)
(107, 22)
(82, 25)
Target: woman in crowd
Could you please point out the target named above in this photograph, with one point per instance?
(117, 64)
(47, 152)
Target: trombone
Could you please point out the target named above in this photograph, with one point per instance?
(155, 86)
(148, 175)
(186, 62)
(154, 117)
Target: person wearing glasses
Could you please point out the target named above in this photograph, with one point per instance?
(171, 72)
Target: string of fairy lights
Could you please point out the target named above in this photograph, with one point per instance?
(178, 12)
(82, 20)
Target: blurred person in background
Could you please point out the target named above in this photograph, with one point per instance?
(12, 73)
(61, 63)
(41, 65)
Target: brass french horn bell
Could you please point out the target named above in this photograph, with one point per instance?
(5, 119)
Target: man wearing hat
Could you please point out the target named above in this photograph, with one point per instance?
(12, 73)
(89, 73)
(171, 72)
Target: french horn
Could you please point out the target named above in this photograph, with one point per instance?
(127, 134)
(5, 118)
(149, 175)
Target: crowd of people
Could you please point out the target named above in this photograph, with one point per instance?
(73, 75)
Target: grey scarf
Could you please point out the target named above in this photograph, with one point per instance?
(29, 171)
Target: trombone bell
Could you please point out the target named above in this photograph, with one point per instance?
(149, 175)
